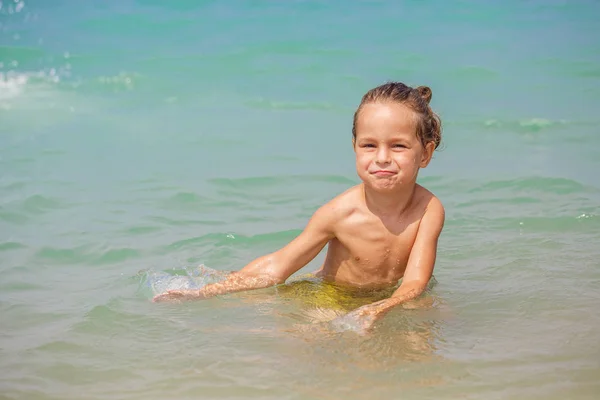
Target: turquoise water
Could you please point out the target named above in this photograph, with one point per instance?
(140, 140)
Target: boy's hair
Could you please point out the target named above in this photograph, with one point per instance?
(429, 124)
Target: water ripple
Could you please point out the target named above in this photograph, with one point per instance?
(85, 255)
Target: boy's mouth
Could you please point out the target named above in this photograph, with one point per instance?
(383, 173)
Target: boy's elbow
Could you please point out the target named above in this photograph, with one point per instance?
(278, 279)
(275, 270)
(278, 273)
(271, 269)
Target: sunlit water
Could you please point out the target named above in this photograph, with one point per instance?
(147, 145)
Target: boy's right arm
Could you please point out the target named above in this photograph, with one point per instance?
(273, 268)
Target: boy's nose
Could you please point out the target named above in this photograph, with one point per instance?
(383, 155)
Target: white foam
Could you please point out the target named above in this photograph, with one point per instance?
(196, 278)
(13, 9)
(13, 84)
(162, 282)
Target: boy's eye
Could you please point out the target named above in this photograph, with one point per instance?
(368, 145)
(399, 146)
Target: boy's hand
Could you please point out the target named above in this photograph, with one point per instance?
(177, 296)
(362, 319)
(365, 317)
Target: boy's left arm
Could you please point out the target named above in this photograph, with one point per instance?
(419, 268)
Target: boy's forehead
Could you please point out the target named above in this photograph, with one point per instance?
(386, 116)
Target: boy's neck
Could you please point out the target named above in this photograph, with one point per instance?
(388, 205)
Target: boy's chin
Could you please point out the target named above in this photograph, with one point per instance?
(384, 186)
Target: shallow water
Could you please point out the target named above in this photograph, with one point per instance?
(142, 139)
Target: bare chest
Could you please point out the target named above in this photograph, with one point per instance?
(371, 253)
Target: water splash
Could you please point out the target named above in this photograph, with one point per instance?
(14, 83)
(157, 282)
(351, 322)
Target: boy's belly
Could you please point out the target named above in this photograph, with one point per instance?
(351, 274)
(365, 265)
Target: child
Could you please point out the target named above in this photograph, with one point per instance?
(380, 231)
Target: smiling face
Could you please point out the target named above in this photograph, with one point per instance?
(388, 152)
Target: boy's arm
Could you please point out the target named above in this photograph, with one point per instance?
(420, 263)
(273, 268)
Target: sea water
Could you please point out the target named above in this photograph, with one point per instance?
(148, 144)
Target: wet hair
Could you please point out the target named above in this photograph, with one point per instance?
(429, 124)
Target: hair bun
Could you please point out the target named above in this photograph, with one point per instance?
(425, 93)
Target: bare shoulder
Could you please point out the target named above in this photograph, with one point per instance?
(426, 200)
(336, 211)
(342, 206)
(430, 207)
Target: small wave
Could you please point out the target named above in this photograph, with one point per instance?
(110, 316)
(141, 230)
(12, 216)
(13, 55)
(589, 73)
(38, 204)
(228, 239)
(14, 186)
(428, 180)
(573, 67)
(261, 103)
(187, 197)
(124, 81)
(544, 224)
(17, 287)
(474, 72)
(553, 224)
(504, 200)
(271, 237)
(63, 347)
(215, 239)
(252, 182)
(536, 124)
(193, 201)
(20, 210)
(85, 255)
(67, 256)
(116, 255)
(275, 181)
(528, 125)
(536, 184)
(183, 222)
(6, 246)
(53, 152)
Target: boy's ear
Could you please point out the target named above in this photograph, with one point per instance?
(353, 142)
(427, 154)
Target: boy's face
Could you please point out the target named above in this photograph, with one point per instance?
(388, 151)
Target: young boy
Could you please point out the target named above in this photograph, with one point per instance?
(380, 231)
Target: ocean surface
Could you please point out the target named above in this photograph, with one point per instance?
(150, 144)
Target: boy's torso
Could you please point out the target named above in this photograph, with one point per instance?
(368, 251)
